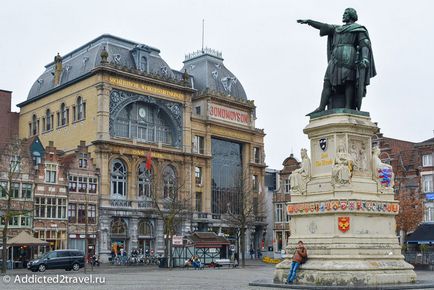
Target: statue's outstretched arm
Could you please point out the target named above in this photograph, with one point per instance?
(313, 23)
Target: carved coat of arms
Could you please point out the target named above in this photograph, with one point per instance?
(323, 144)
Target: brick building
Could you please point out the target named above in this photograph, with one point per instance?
(426, 153)
(8, 119)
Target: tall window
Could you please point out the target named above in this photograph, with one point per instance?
(82, 184)
(278, 213)
(48, 120)
(3, 188)
(199, 201)
(63, 115)
(80, 107)
(72, 213)
(15, 190)
(169, 182)
(427, 160)
(144, 181)
(429, 214)
(198, 144)
(118, 179)
(34, 125)
(72, 183)
(91, 213)
(255, 183)
(50, 173)
(198, 175)
(287, 185)
(427, 183)
(26, 190)
(145, 228)
(257, 154)
(81, 213)
(15, 163)
(82, 160)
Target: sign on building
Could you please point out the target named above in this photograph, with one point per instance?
(177, 240)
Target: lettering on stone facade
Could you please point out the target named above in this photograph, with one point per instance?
(146, 88)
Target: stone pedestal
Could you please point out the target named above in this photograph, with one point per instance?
(346, 217)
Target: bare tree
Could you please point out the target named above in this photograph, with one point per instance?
(171, 204)
(14, 163)
(249, 208)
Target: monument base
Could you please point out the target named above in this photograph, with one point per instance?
(346, 214)
(348, 273)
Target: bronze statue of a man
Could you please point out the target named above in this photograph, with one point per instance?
(350, 62)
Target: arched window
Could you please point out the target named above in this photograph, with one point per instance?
(144, 181)
(34, 127)
(144, 228)
(144, 122)
(169, 182)
(48, 124)
(118, 227)
(81, 109)
(118, 179)
(63, 115)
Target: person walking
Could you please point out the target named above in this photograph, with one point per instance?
(299, 255)
(252, 253)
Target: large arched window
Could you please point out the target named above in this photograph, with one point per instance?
(48, 123)
(144, 122)
(169, 182)
(118, 227)
(144, 228)
(144, 181)
(118, 179)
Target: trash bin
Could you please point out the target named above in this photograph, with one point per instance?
(163, 262)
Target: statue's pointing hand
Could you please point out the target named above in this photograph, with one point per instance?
(302, 21)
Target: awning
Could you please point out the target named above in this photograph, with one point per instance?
(24, 239)
(424, 234)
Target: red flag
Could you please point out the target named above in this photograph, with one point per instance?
(148, 160)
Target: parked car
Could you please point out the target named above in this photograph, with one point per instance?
(59, 259)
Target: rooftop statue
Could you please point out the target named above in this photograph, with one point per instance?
(350, 62)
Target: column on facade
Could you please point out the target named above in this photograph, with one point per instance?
(102, 114)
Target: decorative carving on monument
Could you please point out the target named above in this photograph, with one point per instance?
(342, 170)
(359, 154)
(343, 206)
(382, 172)
(301, 176)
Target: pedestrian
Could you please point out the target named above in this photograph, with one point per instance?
(259, 254)
(299, 255)
(252, 253)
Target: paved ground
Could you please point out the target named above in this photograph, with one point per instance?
(151, 277)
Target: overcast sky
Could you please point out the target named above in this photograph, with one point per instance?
(280, 63)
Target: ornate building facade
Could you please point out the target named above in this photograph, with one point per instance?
(148, 131)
